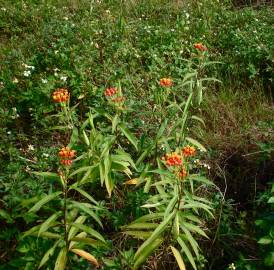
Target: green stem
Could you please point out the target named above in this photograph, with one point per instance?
(65, 213)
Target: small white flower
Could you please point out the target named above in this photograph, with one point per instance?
(63, 78)
(172, 30)
(30, 147)
(30, 109)
(56, 51)
(56, 69)
(15, 80)
(3, 9)
(44, 80)
(8, 132)
(108, 11)
(45, 155)
(65, 18)
(27, 73)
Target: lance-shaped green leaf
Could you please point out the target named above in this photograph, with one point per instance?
(61, 261)
(48, 254)
(140, 226)
(156, 234)
(44, 200)
(48, 223)
(186, 250)
(73, 230)
(86, 209)
(149, 217)
(129, 135)
(146, 252)
(138, 234)
(178, 258)
(90, 231)
(85, 194)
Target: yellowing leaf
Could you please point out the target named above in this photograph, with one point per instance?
(86, 256)
(133, 181)
(178, 258)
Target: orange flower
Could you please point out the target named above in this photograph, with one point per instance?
(60, 95)
(173, 159)
(66, 152)
(109, 92)
(66, 162)
(200, 47)
(189, 151)
(182, 173)
(166, 82)
(66, 155)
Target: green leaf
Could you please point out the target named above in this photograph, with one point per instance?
(87, 210)
(196, 143)
(139, 234)
(86, 140)
(194, 228)
(5, 216)
(115, 122)
(171, 205)
(44, 200)
(156, 234)
(74, 137)
(48, 223)
(90, 231)
(73, 230)
(161, 130)
(271, 200)
(178, 258)
(198, 119)
(48, 254)
(146, 252)
(61, 260)
(89, 241)
(187, 252)
(265, 240)
(149, 217)
(108, 180)
(191, 240)
(201, 179)
(129, 135)
(85, 194)
(140, 226)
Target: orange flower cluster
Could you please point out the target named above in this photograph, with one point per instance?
(66, 155)
(166, 82)
(182, 173)
(60, 95)
(109, 92)
(172, 159)
(200, 47)
(118, 99)
(189, 151)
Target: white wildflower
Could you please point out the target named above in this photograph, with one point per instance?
(3, 9)
(66, 18)
(30, 147)
(44, 80)
(63, 78)
(45, 155)
(15, 80)
(27, 73)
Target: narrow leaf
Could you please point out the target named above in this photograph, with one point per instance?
(178, 258)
